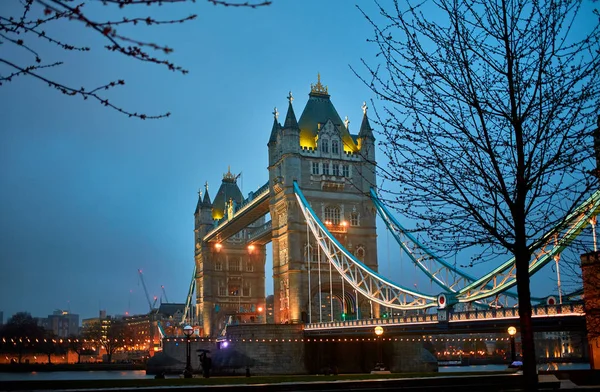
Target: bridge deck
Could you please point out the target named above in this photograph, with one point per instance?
(564, 317)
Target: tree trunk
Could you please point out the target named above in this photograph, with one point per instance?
(522, 257)
(49, 358)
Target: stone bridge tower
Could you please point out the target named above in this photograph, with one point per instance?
(335, 169)
(230, 274)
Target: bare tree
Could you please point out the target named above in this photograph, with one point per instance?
(487, 115)
(27, 31)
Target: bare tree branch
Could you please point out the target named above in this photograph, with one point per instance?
(487, 113)
(26, 32)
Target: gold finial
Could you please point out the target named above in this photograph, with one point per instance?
(318, 88)
(200, 192)
(346, 122)
(228, 176)
(206, 186)
(364, 108)
(275, 113)
(290, 97)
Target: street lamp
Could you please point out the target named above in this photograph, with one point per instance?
(379, 332)
(512, 331)
(188, 331)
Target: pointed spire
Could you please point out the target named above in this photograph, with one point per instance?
(206, 200)
(199, 204)
(365, 128)
(290, 117)
(276, 127)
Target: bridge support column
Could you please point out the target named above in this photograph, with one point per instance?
(590, 267)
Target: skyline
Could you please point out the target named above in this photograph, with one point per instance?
(95, 196)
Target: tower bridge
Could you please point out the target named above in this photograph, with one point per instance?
(322, 205)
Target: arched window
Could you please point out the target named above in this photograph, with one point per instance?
(312, 251)
(325, 145)
(334, 147)
(360, 253)
(354, 219)
(332, 215)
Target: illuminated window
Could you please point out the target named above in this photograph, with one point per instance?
(346, 170)
(325, 145)
(326, 168)
(354, 219)
(336, 169)
(315, 168)
(234, 290)
(334, 147)
(332, 215)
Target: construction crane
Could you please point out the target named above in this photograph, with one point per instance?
(164, 293)
(146, 291)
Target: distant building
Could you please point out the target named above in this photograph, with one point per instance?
(63, 323)
(101, 319)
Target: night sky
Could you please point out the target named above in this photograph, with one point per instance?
(88, 196)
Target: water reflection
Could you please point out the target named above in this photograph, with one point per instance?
(141, 374)
(89, 375)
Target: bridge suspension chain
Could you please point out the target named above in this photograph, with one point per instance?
(494, 285)
(362, 279)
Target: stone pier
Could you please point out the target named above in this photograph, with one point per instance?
(590, 267)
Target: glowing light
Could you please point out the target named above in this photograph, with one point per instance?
(260, 308)
(224, 344)
(250, 248)
(344, 223)
(378, 330)
(218, 247)
(512, 331)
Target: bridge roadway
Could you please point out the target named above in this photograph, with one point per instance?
(252, 208)
(566, 317)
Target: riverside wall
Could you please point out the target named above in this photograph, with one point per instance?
(282, 349)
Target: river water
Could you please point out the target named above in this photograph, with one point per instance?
(137, 374)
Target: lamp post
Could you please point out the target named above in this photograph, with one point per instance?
(512, 331)
(188, 331)
(379, 332)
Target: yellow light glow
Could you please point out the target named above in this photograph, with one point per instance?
(260, 308)
(378, 330)
(218, 246)
(512, 331)
(344, 223)
(251, 248)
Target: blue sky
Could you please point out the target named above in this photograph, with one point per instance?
(89, 195)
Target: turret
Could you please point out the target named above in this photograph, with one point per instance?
(291, 132)
(203, 213)
(275, 133)
(366, 145)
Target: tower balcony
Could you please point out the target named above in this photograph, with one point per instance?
(342, 227)
(330, 182)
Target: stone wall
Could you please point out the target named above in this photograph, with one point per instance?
(283, 349)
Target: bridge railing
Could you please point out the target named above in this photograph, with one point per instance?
(416, 319)
(259, 231)
(574, 309)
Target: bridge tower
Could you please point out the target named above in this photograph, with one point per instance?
(230, 274)
(335, 169)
